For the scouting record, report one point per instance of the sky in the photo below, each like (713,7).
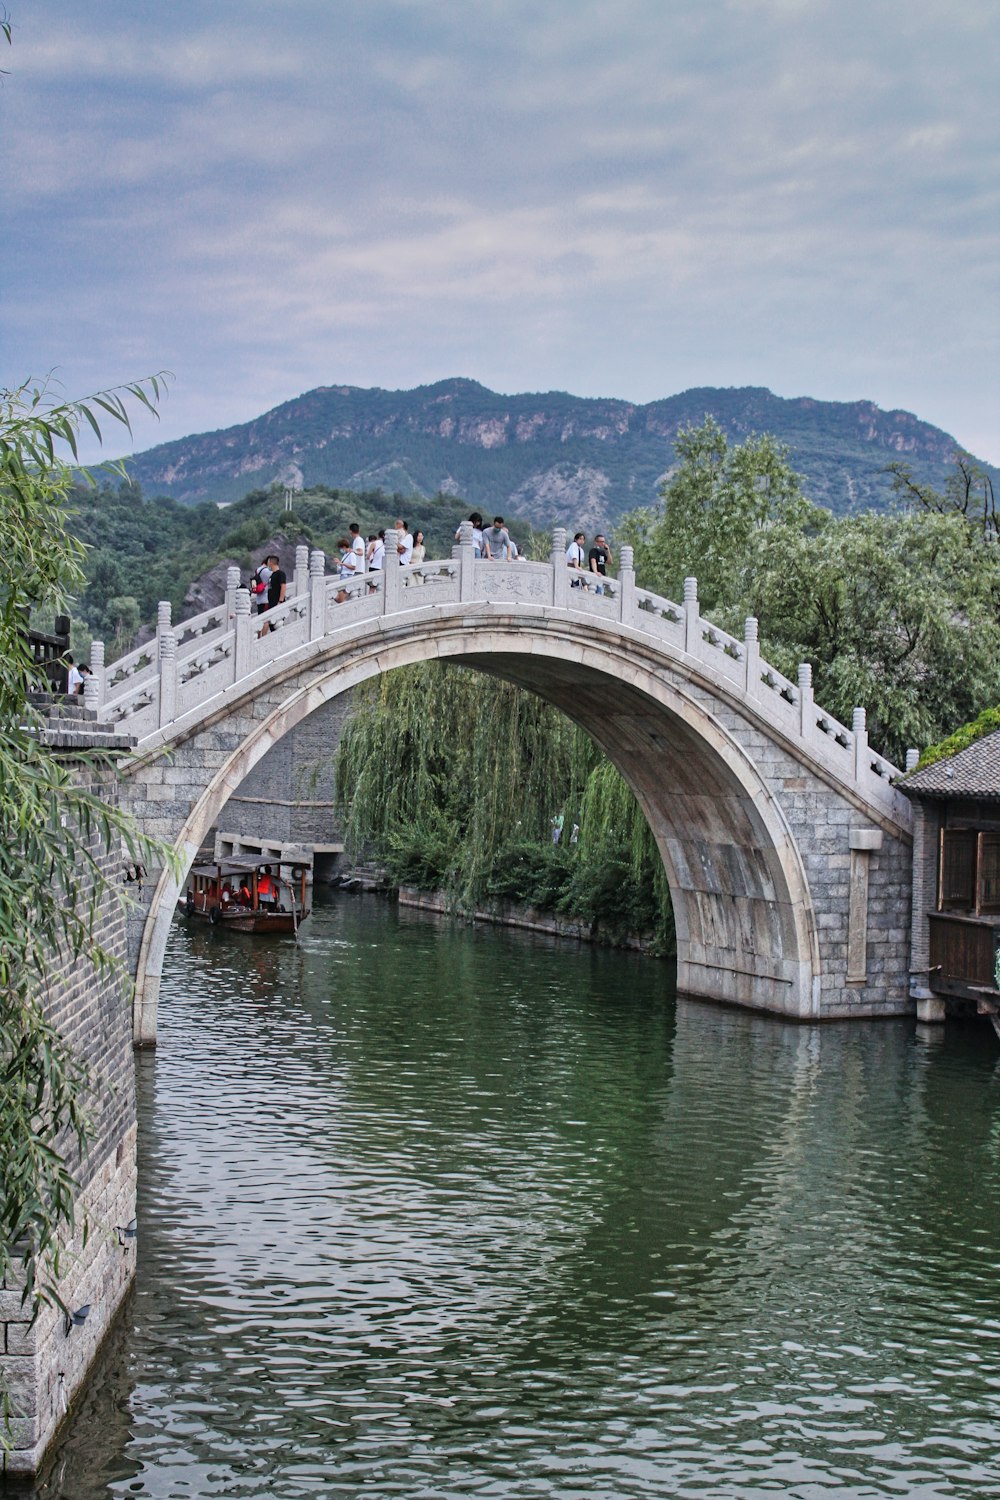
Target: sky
(608,197)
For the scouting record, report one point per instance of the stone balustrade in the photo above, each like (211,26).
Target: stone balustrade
(188,666)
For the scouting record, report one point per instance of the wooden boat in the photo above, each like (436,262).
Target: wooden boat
(234,894)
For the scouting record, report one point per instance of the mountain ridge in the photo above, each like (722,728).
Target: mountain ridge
(551,456)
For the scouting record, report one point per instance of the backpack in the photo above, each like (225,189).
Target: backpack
(259,585)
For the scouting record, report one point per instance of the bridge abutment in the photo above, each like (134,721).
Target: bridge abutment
(43,1364)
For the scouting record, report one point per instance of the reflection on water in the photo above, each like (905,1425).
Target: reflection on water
(431,1211)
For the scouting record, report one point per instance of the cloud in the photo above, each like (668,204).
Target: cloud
(629,199)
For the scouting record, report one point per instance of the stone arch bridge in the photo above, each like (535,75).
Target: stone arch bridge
(785,841)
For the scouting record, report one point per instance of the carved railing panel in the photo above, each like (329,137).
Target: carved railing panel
(500,582)
(131,669)
(287,629)
(201,628)
(205,673)
(659,617)
(363,601)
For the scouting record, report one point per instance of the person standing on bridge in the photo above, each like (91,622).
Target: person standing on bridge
(496,540)
(575,556)
(376,552)
(277,585)
(598,558)
(404,544)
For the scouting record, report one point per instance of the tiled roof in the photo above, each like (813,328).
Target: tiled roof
(973,772)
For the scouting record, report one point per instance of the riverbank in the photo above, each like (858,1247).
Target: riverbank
(528,918)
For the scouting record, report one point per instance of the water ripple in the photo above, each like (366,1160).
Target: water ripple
(428,1211)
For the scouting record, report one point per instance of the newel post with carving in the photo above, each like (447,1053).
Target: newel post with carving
(244,622)
(168,676)
(692,618)
(626,586)
(560,572)
(317,595)
(465,552)
(300,578)
(807,708)
(98,672)
(751,657)
(859,725)
(232,584)
(162,624)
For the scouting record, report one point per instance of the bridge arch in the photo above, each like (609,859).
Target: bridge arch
(746,926)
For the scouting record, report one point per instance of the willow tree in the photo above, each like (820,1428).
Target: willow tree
(453,779)
(51,885)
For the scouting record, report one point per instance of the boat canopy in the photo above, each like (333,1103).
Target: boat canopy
(244,864)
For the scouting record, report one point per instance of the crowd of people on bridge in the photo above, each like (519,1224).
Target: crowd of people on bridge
(358,556)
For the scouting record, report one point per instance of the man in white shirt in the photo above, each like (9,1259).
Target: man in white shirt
(74,681)
(357,546)
(404,543)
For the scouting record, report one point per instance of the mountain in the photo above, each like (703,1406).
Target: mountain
(553,458)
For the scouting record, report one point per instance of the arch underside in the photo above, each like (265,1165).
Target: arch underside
(741,905)
(744,919)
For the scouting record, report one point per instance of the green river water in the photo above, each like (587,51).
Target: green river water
(437,1211)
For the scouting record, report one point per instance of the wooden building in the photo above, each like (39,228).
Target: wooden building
(956,881)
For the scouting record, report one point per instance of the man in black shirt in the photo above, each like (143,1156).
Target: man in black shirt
(598,558)
(276,586)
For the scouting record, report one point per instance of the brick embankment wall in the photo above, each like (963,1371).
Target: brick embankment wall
(43,1365)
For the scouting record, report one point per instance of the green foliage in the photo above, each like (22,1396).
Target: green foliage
(897,612)
(986,723)
(51,884)
(618,882)
(452,779)
(529,874)
(716,507)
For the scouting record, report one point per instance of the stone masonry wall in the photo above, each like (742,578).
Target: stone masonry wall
(290,795)
(44,1365)
(822,821)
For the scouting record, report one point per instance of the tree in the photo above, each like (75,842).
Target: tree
(898,613)
(968,492)
(51,885)
(716,507)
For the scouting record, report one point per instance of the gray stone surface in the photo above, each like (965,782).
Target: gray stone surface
(43,1364)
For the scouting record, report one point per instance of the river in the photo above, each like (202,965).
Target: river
(429,1210)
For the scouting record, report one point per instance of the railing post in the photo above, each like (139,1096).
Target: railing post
(392,584)
(807,712)
(99,672)
(168,677)
(560,572)
(751,657)
(626,586)
(317,594)
(243,650)
(466,563)
(912,760)
(300,577)
(692,618)
(91,693)
(162,623)
(232,584)
(859,724)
